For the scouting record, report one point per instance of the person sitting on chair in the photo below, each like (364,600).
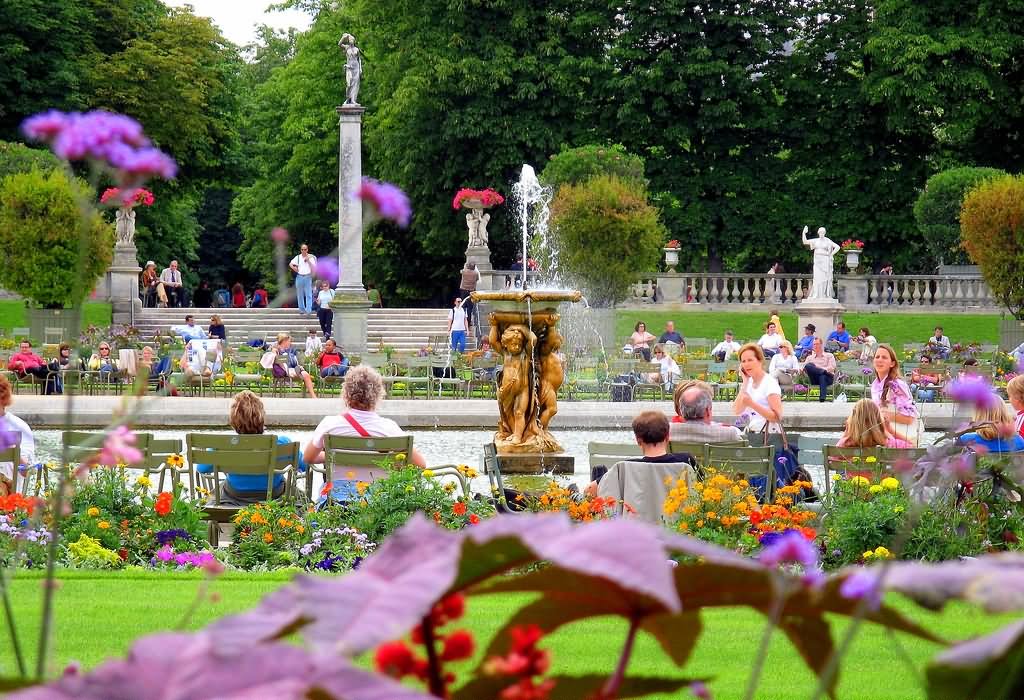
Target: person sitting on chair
(331,362)
(287,363)
(651,430)
(692,422)
(248,417)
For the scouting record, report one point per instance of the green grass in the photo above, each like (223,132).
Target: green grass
(12,314)
(896,329)
(99,613)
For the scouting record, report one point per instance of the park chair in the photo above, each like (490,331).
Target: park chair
(12,455)
(356,458)
(643,386)
(418,373)
(385,368)
(445,374)
(483,377)
(889,456)
(256,455)
(53,335)
(606,454)
(852,461)
(751,463)
(696,369)
(643,486)
(80,446)
(437,343)
(725,388)
(157,462)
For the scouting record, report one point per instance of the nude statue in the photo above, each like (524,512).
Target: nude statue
(552,374)
(824,250)
(125,226)
(516,343)
(353,68)
(477,222)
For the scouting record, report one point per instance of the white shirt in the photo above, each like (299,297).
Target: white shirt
(324,297)
(306,266)
(12,424)
(780,363)
(669,368)
(372,423)
(729,347)
(313,346)
(171,277)
(760,394)
(770,342)
(457,315)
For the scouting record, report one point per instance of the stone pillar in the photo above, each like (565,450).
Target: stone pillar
(481,255)
(823,313)
(853,290)
(350,304)
(122,284)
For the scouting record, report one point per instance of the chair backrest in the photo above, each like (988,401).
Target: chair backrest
(235,454)
(160,449)
(12,455)
(859,460)
(80,445)
(889,456)
(812,450)
(605,454)
(643,486)
(360,456)
(745,461)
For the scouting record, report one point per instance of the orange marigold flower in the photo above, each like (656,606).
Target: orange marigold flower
(459,508)
(268,537)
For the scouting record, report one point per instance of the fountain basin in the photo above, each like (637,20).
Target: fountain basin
(515,300)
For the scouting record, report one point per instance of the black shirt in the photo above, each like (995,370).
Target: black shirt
(670,457)
(217,331)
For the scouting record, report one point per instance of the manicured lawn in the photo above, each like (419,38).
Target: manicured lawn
(896,329)
(99,613)
(12,314)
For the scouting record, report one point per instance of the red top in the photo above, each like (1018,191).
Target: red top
(238,299)
(21,361)
(329,358)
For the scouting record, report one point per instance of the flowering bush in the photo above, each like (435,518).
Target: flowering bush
(557,498)
(486,197)
(334,549)
(852,245)
(88,553)
(23,538)
(127,198)
(674,243)
(267,535)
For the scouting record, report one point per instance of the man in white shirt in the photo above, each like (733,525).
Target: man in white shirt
(457,325)
(939,343)
(726,349)
(190,330)
(304,265)
(770,341)
(171,278)
(201,357)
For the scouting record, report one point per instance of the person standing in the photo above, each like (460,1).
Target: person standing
(171,279)
(324,313)
(303,266)
(457,325)
(467,285)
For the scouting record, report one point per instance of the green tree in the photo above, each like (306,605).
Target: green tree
(574,166)
(594,224)
(937,210)
(992,226)
(18,158)
(41,219)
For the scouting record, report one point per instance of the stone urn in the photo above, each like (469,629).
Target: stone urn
(853,259)
(671,258)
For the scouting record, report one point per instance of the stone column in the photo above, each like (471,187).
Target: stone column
(350,304)
(853,290)
(823,313)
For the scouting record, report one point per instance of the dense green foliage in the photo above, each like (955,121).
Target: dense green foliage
(992,226)
(18,158)
(593,224)
(574,166)
(937,210)
(57,257)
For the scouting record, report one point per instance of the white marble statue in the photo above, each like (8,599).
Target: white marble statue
(824,250)
(477,220)
(353,68)
(125,226)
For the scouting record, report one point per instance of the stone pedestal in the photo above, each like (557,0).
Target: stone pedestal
(121,286)
(350,210)
(350,323)
(852,290)
(536,463)
(670,288)
(823,313)
(481,255)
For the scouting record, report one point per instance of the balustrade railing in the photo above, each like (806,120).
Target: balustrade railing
(723,288)
(929,290)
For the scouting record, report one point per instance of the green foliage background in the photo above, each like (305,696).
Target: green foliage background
(992,223)
(937,210)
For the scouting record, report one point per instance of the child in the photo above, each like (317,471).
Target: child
(313,344)
(1015,390)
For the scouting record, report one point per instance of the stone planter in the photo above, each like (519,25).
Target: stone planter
(853,259)
(671,259)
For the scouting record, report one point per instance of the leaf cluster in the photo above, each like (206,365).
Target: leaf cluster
(992,226)
(937,210)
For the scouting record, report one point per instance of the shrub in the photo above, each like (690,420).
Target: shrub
(576,166)
(992,226)
(937,210)
(41,223)
(606,233)
(19,158)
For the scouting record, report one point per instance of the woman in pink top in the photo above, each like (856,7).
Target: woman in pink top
(641,340)
(865,428)
(892,396)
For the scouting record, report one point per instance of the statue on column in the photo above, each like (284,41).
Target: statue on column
(125,227)
(353,68)
(477,220)
(824,250)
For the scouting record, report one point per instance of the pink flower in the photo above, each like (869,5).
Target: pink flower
(862,585)
(974,391)
(279,235)
(119,447)
(209,564)
(791,547)
(165,553)
(388,200)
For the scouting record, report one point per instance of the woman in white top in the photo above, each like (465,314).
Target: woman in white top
(784,366)
(11,425)
(668,372)
(760,397)
(770,341)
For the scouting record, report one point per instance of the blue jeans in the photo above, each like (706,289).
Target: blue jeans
(304,293)
(820,377)
(459,341)
(335,370)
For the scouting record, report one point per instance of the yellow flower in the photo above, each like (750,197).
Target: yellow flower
(890,483)
(868,554)
(871,460)
(859,481)
(700,523)
(875,488)
(300,529)
(897,509)
(103,525)
(428,473)
(283,522)
(689,510)
(684,526)
(409,489)
(400,457)
(836,476)
(361,487)
(882,552)
(143,482)
(93,512)
(176,461)
(449,487)
(855,459)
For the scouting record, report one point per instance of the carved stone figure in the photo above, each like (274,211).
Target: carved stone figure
(477,220)
(125,227)
(515,397)
(824,250)
(353,68)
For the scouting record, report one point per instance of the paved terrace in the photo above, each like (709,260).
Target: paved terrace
(194,412)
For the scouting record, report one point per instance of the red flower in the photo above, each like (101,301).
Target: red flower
(525,659)
(474,518)
(163,503)
(458,645)
(437,517)
(526,689)
(459,508)
(395,659)
(452,607)
(123,553)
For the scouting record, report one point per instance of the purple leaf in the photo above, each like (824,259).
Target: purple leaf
(985,668)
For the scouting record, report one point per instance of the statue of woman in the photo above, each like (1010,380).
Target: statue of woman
(824,250)
(353,68)
(477,220)
(125,226)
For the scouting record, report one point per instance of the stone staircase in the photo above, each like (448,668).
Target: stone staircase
(402,329)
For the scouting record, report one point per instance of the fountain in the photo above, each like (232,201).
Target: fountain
(524,331)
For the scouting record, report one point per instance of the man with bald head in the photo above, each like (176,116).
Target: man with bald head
(692,422)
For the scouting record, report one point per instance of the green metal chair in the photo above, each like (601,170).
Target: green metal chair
(607,454)
(12,455)
(80,446)
(850,459)
(158,461)
(356,458)
(889,456)
(744,462)
(418,373)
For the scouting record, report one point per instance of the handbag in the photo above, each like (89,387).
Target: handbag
(268,360)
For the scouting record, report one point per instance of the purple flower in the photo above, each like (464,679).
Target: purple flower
(791,547)
(862,585)
(974,391)
(327,269)
(166,537)
(700,691)
(389,201)
(165,553)
(959,466)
